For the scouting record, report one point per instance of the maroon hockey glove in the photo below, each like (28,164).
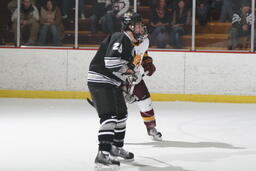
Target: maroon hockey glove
(147,64)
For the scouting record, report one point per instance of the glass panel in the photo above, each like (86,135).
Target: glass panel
(61,33)
(168,24)
(89,32)
(253,22)
(214,28)
(100,21)
(182,28)
(46,23)
(6,32)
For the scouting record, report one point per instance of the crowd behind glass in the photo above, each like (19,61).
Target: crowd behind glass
(219,24)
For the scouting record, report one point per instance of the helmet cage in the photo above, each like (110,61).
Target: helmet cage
(129,20)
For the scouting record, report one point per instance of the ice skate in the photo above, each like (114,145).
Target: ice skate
(157,136)
(122,153)
(104,162)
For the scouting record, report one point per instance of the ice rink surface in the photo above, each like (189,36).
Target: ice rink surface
(61,135)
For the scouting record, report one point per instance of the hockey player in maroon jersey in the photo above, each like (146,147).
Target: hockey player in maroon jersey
(144,101)
(140,90)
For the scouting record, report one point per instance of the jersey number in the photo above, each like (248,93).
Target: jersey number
(118,47)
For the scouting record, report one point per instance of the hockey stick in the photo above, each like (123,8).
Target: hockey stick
(90,102)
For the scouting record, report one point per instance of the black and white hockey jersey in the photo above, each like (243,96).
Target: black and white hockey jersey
(114,52)
(118,7)
(238,20)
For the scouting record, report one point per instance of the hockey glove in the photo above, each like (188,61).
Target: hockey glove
(147,64)
(132,78)
(130,98)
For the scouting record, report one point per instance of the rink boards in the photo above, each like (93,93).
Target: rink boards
(180,76)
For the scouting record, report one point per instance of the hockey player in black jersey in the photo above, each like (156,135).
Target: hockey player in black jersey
(113,67)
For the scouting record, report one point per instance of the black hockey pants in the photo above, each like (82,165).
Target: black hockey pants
(111,108)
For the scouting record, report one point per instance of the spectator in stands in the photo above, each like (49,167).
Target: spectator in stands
(99,10)
(115,10)
(241,27)
(29,18)
(68,4)
(12,5)
(51,22)
(40,3)
(181,18)
(159,22)
(202,11)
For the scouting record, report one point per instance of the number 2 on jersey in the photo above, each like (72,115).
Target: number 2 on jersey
(118,47)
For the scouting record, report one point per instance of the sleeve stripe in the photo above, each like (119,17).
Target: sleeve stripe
(113,62)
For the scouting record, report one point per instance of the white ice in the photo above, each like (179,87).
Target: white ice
(61,135)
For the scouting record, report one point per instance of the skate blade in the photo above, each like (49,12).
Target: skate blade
(156,138)
(102,167)
(122,159)
(126,160)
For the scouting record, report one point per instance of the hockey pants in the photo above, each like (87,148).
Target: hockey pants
(112,111)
